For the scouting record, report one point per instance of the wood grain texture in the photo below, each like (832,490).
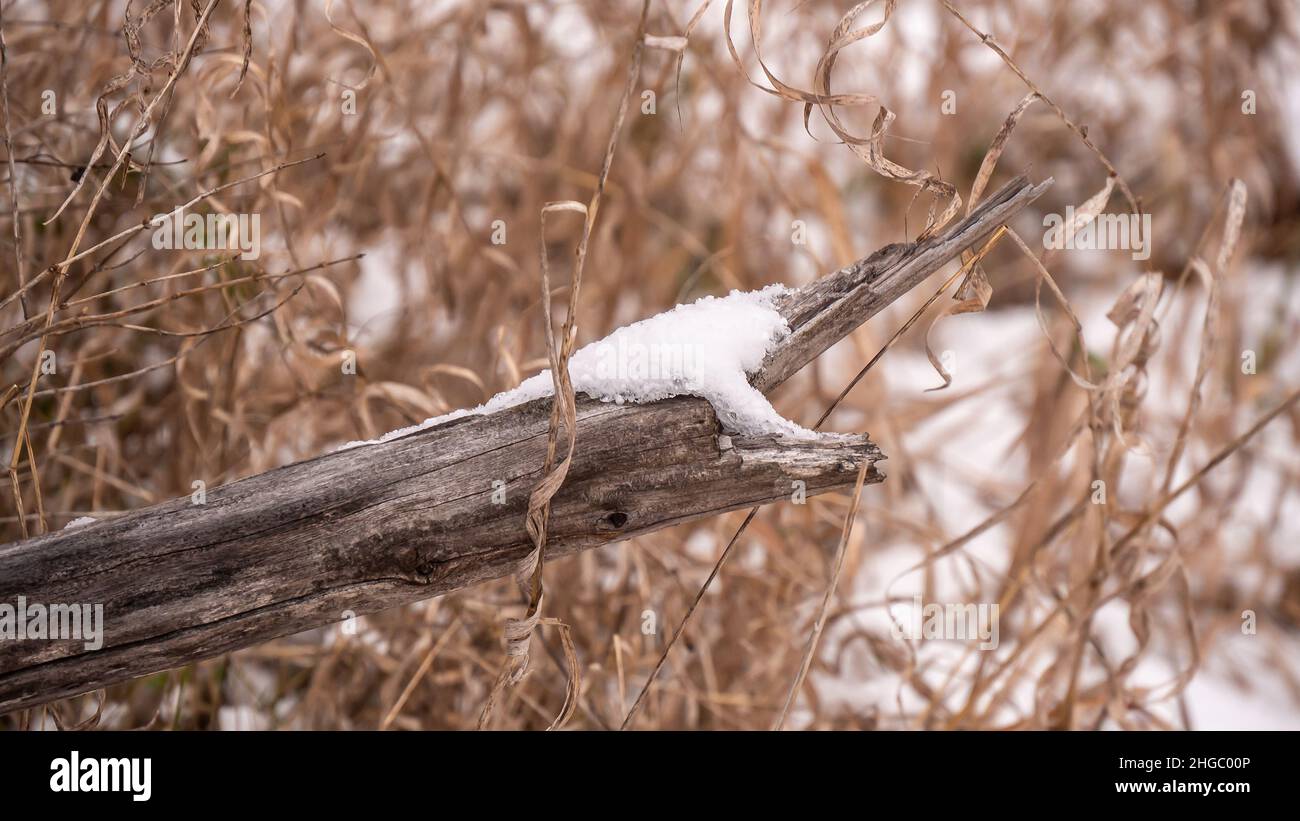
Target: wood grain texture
(824,312)
(388,524)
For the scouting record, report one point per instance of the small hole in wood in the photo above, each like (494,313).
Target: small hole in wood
(617,519)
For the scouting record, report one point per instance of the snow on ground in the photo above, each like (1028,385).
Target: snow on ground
(1237,685)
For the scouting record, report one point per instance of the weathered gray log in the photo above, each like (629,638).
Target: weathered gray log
(378,526)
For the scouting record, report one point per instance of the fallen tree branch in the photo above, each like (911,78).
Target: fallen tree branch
(387,524)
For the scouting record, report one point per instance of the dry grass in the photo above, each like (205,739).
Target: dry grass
(177,366)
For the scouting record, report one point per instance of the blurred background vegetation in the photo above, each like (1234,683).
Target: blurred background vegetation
(426,138)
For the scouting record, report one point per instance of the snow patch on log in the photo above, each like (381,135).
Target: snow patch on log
(707,348)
